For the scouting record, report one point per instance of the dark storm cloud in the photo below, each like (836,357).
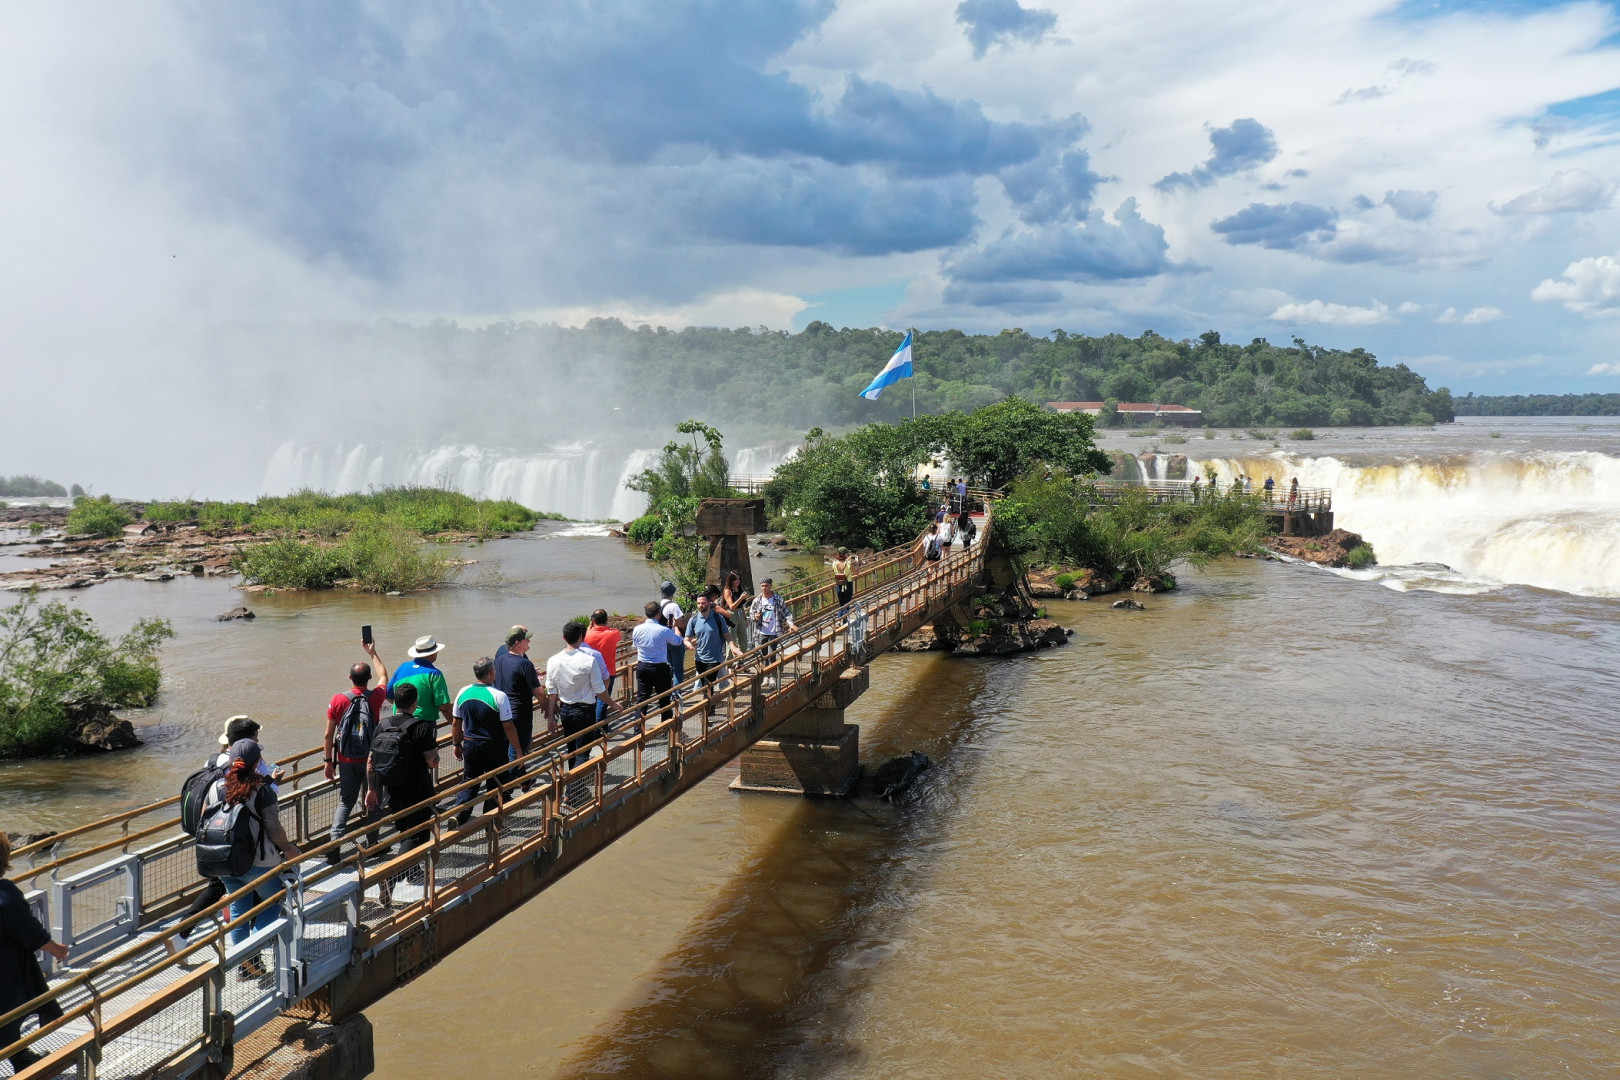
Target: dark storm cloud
(1093,250)
(1245,144)
(986,22)
(1279,226)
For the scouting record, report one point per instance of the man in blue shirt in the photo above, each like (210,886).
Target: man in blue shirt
(708,633)
(654,642)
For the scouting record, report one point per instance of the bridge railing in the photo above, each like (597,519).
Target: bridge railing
(140,1009)
(1185,491)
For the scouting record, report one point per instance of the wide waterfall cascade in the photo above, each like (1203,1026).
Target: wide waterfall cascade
(583,482)
(1544,518)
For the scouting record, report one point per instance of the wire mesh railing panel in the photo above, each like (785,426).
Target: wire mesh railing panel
(100,904)
(167,873)
(159,1040)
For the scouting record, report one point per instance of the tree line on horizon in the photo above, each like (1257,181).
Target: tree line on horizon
(1538,405)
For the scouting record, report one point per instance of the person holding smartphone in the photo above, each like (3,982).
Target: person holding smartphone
(351,720)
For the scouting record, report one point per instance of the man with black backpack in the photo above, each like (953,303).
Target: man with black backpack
(404,753)
(351,721)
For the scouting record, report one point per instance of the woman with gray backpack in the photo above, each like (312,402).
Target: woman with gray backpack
(240,839)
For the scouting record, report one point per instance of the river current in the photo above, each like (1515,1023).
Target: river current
(1285,822)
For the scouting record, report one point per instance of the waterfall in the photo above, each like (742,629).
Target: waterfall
(1540,518)
(582,481)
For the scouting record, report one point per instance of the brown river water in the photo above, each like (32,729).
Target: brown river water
(1284,823)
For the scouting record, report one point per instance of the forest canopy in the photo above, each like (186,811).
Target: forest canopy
(1539,405)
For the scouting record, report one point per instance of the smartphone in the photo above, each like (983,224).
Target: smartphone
(365,634)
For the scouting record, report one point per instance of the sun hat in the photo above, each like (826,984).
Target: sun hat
(667,588)
(240,726)
(427,645)
(516,634)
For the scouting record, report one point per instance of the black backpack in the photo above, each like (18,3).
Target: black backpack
(230,837)
(388,754)
(195,791)
(355,730)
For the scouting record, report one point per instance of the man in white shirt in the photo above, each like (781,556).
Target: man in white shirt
(675,619)
(654,643)
(574,684)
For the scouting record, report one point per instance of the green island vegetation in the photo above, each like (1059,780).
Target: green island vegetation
(57,667)
(686,473)
(1538,405)
(376,542)
(1360,557)
(97,515)
(30,487)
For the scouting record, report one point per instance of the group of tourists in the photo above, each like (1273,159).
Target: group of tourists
(948,529)
(1242,485)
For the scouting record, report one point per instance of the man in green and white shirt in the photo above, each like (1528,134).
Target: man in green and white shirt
(481,730)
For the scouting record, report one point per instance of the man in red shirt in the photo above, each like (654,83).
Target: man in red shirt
(605,640)
(351,718)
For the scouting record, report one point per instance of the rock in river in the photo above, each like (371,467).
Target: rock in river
(237,613)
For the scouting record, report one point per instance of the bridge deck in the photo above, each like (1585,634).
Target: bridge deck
(349,934)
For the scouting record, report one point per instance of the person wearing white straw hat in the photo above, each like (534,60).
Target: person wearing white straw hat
(422,672)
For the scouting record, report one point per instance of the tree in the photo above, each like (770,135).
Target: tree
(999,443)
(687,469)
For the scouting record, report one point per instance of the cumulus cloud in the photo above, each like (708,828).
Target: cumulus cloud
(1570,191)
(1243,145)
(1472,317)
(1588,286)
(1411,205)
(1278,226)
(988,22)
(1604,369)
(1095,249)
(1325,314)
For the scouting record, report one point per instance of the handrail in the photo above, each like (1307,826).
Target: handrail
(796,664)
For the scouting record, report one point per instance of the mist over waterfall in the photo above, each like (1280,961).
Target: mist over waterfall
(1544,518)
(581,481)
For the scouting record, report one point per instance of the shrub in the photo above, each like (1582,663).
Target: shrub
(289,563)
(645,529)
(1496,434)
(1303,434)
(387,558)
(53,662)
(1260,435)
(1065,581)
(97,516)
(170,512)
(1175,440)
(1209,433)
(1361,556)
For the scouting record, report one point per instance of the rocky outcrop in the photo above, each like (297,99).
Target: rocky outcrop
(237,613)
(924,640)
(1331,550)
(94,727)
(1042,583)
(1014,636)
(1128,604)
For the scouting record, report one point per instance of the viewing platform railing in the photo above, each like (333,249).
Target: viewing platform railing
(1173,491)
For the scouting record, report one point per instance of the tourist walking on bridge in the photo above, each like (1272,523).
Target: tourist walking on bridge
(733,604)
(482,733)
(1271,487)
(675,619)
(21,980)
(404,754)
(842,564)
(1293,492)
(966,529)
(246,787)
(771,618)
(961,494)
(605,640)
(653,641)
(708,634)
(574,687)
(931,550)
(421,670)
(516,677)
(351,720)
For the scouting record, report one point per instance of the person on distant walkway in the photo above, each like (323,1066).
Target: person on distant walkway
(708,634)
(961,494)
(1293,492)
(734,600)
(930,544)
(675,619)
(516,677)
(244,783)
(1197,487)
(927,487)
(482,734)
(21,979)
(842,564)
(605,640)
(966,529)
(574,687)
(1271,488)
(947,535)
(421,670)
(351,720)
(770,618)
(404,753)
(653,640)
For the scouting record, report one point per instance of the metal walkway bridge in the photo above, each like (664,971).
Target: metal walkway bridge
(349,934)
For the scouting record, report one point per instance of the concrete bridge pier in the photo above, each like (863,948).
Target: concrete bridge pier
(813,753)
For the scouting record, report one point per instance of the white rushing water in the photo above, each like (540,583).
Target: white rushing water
(1457,521)
(581,481)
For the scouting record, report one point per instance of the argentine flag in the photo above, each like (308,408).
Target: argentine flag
(898,367)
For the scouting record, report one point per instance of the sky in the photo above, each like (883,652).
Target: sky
(1435,181)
